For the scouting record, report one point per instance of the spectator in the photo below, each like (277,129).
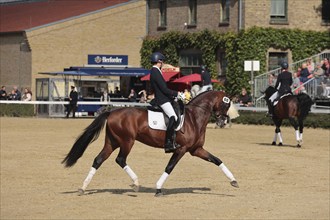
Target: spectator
(105,97)
(304,74)
(271,79)
(73,98)
(318,73)
(296,83)
(27,95)
(12,95)
(3,93)
(132,96)
(310,65)
(245,99)
(187,96)
(117,91)
(18,95)
(326,67)
(143,96)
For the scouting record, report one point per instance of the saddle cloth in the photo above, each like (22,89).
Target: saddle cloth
(156,121)
(287,94)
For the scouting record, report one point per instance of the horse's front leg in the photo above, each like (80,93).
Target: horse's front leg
(205,155)
(177,155)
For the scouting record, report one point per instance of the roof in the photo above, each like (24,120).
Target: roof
(99,71)
(21,16)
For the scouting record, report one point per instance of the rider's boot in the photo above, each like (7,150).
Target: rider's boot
(170,144)
(270,109)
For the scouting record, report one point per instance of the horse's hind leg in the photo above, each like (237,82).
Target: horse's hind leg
(121,161)
(294,123)
(205,155)
(101,157)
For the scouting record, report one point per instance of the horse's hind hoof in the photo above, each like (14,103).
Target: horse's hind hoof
(135,187)
(274,143)
(81,192)
(234,183)
(280,144)
(298,146)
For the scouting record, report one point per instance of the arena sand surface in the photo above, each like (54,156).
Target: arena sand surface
(275,182)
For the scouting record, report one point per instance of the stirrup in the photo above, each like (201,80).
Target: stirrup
(172,148)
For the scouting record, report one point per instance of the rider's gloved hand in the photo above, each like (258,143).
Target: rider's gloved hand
(181,96)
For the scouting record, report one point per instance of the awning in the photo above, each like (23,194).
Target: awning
(195,77)
(99,71)
(167,76)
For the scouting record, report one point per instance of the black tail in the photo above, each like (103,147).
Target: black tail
(305,104)
(90,134)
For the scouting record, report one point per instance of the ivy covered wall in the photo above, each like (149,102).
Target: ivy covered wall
(251,44)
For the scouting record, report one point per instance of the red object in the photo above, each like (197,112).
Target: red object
(195,77)
(167,76)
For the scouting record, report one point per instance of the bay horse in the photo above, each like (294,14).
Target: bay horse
(125,125)
(292,107)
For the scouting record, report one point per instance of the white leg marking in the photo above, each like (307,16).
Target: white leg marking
(88,178)
(161,180)
(132,175)
(227,172)
(280,137)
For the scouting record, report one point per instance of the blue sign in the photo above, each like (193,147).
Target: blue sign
(108,60)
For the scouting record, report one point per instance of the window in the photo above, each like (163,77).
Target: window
(278,11)
(190,61)
(325,11)
(221,63)
(192,12)
(224,11)
(275,59)
(162,13)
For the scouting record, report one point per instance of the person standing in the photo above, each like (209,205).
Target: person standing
(283,85)
(73,99)
(163,97)
(206,80)
(3,93)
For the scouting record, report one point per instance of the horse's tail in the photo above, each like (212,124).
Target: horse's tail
(90,134)
(305,104)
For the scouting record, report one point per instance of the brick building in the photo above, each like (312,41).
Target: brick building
(234,15)
(48,36)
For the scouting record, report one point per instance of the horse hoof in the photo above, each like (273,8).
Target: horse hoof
(298,145)
(135,187)
(234,183)
(81,192)
(274,143)
(280,144)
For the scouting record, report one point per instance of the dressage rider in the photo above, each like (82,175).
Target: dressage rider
(163,97)
(283,86)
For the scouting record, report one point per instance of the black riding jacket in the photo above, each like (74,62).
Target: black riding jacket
(158,84)
(285,78)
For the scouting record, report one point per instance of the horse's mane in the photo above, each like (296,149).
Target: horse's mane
(197,99)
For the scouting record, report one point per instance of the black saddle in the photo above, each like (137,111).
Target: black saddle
(178,106)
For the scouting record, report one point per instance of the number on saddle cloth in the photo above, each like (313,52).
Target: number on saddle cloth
(157,119)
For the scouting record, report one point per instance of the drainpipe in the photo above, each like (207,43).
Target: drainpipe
(240,6)
(147,17)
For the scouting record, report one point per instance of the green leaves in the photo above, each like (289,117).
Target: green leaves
(250,44)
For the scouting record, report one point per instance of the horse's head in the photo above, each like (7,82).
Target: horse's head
(269,92)
(221,108)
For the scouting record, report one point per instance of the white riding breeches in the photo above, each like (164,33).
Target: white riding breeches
(169,111)
(273,97)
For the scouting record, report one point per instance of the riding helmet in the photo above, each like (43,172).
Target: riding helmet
(156,56)
(285,65)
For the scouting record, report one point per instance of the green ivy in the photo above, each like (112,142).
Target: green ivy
(250,44)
